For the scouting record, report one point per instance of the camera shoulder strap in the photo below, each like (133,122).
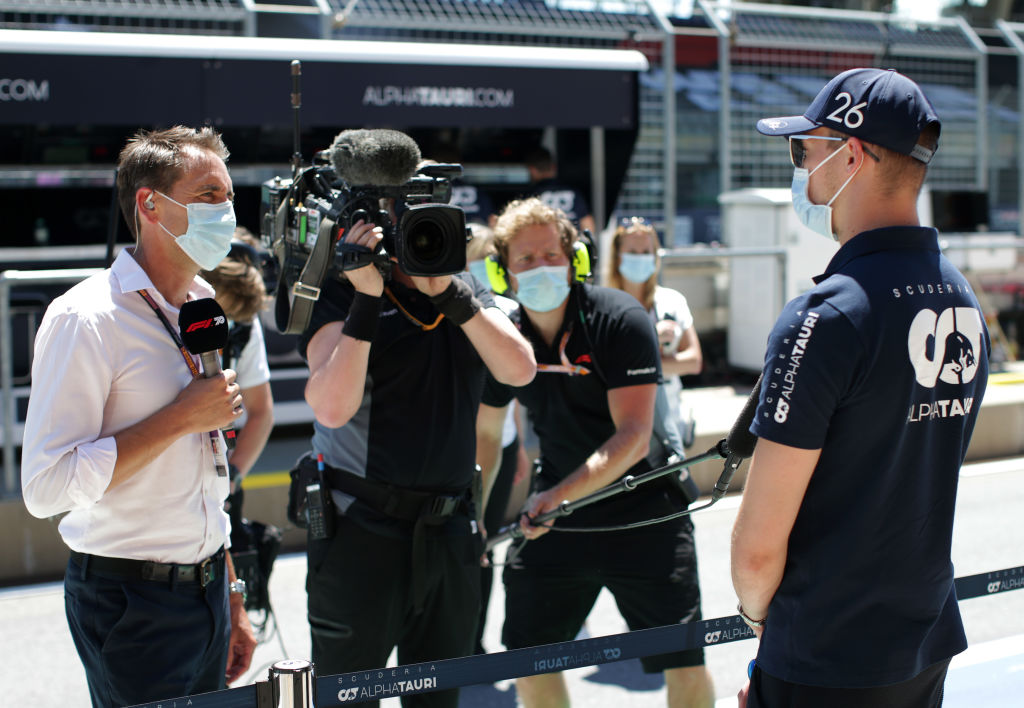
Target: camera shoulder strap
(304,292)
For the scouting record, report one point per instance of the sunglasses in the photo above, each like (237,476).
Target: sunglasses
(634,222)
(798,151)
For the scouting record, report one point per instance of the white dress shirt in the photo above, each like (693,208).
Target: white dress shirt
(103,362)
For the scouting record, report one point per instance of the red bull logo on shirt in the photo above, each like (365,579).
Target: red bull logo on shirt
(942,346)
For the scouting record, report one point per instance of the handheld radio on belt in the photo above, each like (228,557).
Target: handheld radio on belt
(319,507)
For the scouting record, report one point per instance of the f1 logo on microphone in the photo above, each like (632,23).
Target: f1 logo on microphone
(206,324)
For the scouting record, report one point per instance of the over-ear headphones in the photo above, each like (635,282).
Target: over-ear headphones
(497,273)
(149,202)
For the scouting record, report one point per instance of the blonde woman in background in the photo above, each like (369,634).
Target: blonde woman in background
(633,266)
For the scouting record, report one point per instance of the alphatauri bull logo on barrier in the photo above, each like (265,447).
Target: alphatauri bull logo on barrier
(944,347)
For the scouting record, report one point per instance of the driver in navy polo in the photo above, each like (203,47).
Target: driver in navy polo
(871,389)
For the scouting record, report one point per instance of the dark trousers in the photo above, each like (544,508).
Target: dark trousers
(361,606)
(494,518)
(142,641)
(922,691)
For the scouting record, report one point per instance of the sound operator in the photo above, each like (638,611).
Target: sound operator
(396,371)
(118,435)
(871,389)
(592,406)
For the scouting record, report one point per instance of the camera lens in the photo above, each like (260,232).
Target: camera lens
(431,240)
(426,242)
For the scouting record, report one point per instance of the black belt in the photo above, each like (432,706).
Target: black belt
(422,508)
(397,502)
(204,572)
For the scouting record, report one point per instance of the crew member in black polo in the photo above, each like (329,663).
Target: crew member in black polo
(396,371)
(592,407)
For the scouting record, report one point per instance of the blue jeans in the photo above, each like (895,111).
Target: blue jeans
(143,641)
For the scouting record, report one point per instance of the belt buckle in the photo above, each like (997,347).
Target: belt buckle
(443,506)
(206,572)
(304,290)
(148,571)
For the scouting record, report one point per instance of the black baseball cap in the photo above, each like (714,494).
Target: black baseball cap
(879,106)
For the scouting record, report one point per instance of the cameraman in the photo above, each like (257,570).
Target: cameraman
(592,406)
(396,373)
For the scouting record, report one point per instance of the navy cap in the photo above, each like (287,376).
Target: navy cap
(879,106)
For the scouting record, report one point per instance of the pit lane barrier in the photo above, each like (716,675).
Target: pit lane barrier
(293,683)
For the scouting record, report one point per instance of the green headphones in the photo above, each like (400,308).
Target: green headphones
(498,275)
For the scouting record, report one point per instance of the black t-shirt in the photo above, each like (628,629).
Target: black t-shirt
(611,336)
(415,427)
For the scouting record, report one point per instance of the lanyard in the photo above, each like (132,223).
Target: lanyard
(189,361)
(566,367)
(219,458)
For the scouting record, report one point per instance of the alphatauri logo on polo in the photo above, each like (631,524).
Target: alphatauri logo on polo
(945,346)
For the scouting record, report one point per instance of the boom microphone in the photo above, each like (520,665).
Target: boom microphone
(204,330)
(739,444)
(383,158)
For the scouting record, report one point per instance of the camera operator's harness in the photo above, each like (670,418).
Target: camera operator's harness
(294,306)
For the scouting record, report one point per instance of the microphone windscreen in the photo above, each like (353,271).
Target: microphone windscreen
(380,158)
(203,325)
(740,440)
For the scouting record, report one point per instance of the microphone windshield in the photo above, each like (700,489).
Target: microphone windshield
(204,326)
(740,440)
(381,158)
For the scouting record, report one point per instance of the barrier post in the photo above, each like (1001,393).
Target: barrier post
(292,680)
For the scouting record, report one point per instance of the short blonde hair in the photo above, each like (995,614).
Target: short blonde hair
(519,214)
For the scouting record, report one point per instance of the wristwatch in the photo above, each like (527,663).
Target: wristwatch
(239,587)
(750,622)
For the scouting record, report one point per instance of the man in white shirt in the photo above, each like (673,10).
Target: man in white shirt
(118,435)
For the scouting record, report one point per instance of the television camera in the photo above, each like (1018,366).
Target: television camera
(304,218)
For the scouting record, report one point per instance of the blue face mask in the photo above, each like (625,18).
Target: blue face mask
(816,217)
(479,270)
(210,229)
(637,267)
(544,288)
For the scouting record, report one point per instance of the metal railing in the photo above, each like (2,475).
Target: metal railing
(290,681)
